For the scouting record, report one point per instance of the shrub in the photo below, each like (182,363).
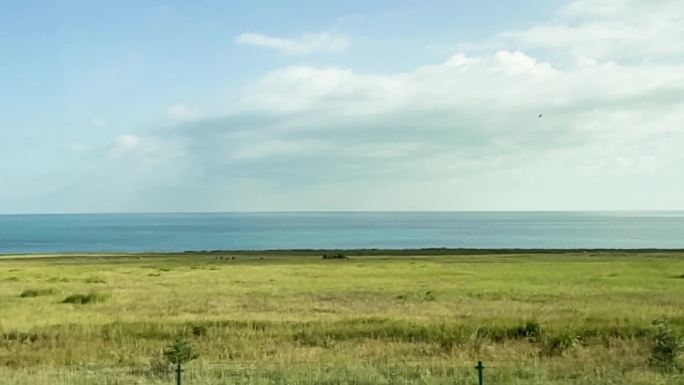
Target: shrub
(334,256)
(557,345)
(199,330)
(429,296)
(531,329)
(83,299)
(30,293)
(180,352)
(667,347)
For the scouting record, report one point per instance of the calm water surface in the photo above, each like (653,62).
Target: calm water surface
(179,232)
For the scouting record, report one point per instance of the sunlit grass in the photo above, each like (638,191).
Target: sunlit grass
(362,312)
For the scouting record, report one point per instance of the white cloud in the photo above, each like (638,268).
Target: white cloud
(609,29)
(503,80)
(468,124)
(460,134)
(305,44)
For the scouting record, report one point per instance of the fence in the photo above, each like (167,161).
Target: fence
(202,373)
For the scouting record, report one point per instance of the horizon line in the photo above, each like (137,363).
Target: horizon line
(347,212)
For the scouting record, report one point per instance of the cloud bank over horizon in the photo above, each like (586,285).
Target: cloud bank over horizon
(464,133)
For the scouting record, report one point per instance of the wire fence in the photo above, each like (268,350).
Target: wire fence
(202,373)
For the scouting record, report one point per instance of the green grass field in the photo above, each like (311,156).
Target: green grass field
(571,318)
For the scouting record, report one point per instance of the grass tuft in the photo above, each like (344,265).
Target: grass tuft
(30,293)
(84,299)
(95,280)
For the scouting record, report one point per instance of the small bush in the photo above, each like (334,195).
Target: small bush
(429,296)
(668,345)
(557,345)
(30,293)
(83,299)
(531,329)
(180,352)
(334,256)
(199,330)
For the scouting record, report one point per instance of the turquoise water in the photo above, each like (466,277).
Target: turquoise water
(258,231)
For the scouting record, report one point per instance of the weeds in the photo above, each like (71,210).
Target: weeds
(57,279)
(30,293)
(20,337)
(531,330)
(558,344)
(84,299)
(667,347)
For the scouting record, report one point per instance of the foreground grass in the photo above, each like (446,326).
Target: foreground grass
(580,318)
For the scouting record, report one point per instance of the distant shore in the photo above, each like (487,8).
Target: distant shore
(436,251)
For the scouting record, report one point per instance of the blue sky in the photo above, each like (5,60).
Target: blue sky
(300,105)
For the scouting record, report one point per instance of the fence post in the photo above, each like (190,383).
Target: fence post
(178,374)
(480,372)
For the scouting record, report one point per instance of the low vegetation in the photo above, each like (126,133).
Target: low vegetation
(30,293)
(667,347)
(84,299)
(559,319)
(334,256)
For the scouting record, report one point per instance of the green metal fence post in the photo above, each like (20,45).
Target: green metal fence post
(480,372)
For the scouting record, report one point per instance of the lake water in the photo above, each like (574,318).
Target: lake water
(259,231)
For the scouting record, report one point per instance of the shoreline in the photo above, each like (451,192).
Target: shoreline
(362,252)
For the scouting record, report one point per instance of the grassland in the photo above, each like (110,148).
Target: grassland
(564,318)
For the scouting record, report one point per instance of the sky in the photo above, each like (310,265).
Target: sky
(175,106)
